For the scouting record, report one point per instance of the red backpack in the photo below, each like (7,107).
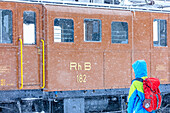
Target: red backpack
(152,93)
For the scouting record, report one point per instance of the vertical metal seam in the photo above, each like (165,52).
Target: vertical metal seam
(132,59)
(104,68)
(151,41)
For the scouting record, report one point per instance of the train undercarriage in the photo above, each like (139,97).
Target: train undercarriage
(83,101)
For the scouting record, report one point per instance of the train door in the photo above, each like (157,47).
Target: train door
(29,42)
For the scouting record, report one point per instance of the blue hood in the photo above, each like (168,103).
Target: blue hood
(140,68)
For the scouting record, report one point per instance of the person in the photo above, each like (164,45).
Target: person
(136,92)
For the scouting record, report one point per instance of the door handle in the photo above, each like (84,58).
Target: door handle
(43,57)
(21,57)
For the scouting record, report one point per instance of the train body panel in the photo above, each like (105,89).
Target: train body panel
(86,58)
(76,72)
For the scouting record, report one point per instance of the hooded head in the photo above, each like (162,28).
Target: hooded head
(140,68)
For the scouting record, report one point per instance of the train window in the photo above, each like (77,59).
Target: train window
(5,26)
(29,27)
(159,32)
(63,30)
(119,32)
(92,30)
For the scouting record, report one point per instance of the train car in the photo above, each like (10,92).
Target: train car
(72,57)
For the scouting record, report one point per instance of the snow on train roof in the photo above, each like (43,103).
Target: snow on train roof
(133,5)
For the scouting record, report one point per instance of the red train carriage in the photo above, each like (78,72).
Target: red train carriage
(51,51)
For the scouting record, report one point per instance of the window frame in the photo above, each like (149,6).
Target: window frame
(11,27)
(73,38)
(125,31)
(159,33)
(100,29)
(35,29)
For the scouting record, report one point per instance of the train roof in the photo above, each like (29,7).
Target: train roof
(161,6)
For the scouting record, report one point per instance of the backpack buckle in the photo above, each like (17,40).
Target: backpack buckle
(147,103)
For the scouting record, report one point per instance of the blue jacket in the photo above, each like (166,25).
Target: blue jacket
(136,93)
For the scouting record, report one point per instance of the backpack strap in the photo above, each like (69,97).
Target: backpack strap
(138,79)
(157,101)
(138,99)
